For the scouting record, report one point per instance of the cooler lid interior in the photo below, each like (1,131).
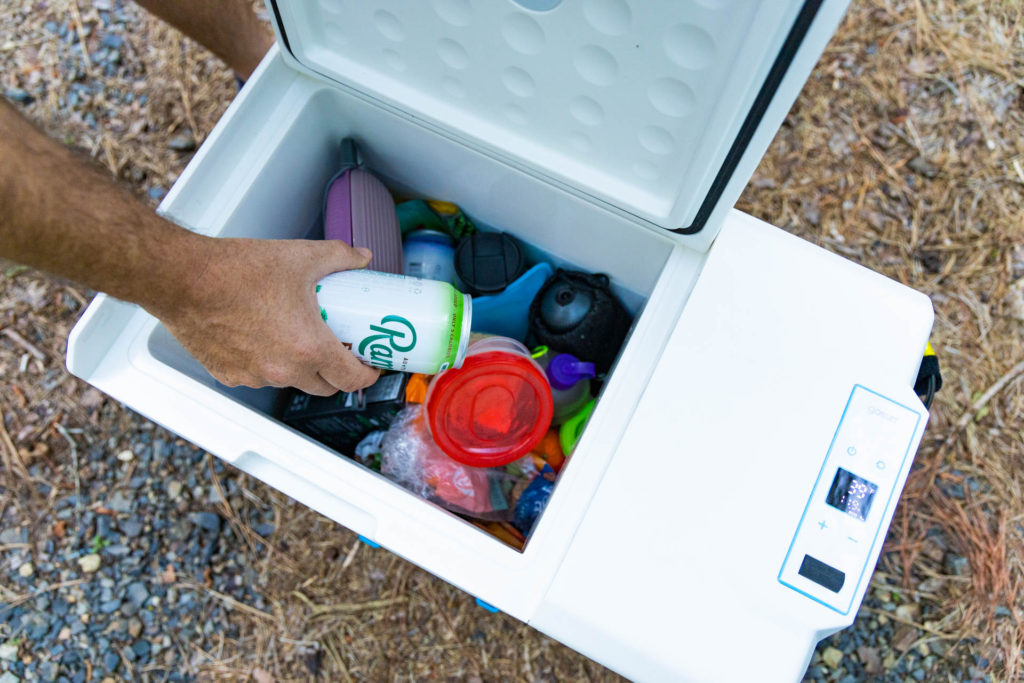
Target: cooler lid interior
(642,104)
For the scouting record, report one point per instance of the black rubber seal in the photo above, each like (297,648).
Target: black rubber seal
(280,25)
(764,98)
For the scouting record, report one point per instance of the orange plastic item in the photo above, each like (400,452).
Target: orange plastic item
(416,388)
(550,451)
(503,532)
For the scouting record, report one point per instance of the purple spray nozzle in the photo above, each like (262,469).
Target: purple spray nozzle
(565,370)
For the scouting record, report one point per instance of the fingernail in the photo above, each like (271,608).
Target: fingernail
(367,254)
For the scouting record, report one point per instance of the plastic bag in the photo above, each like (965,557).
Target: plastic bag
(410,458)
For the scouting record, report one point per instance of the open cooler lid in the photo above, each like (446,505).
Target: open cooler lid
(654,107)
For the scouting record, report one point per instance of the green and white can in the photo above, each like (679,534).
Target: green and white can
(394,322)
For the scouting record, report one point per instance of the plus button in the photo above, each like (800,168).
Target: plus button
(823,525)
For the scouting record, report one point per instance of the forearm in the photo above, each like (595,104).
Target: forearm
(246,309)
(63,215)
(228,28)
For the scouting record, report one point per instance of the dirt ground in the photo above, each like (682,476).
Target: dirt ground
(904,152)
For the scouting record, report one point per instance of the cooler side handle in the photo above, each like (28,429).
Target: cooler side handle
(95,333)
(293,486)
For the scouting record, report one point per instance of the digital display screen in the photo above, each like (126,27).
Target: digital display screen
(851,494)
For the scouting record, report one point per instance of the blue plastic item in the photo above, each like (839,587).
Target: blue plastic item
(533,500)
(507,314)
(368,542)
(487,606)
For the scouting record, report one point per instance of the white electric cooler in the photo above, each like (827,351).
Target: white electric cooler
(737,478)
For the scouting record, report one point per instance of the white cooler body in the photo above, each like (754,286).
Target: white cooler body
(759,370)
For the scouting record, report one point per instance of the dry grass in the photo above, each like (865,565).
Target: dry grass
(904,153)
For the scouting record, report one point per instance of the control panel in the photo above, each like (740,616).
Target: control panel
(842,522)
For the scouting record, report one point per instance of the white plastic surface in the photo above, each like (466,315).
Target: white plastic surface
(633,102)
(678,557)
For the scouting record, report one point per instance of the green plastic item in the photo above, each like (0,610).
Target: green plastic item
(570,431)
(429,214)
(416,215)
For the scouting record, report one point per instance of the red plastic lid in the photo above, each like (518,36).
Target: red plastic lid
(491,411)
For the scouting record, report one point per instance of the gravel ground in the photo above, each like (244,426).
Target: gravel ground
(118,578)
(126,553)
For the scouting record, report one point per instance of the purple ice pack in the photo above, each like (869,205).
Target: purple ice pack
(359,210)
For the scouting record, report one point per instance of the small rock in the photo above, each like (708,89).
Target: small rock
(832,657)
(64,634)
(26,570)
(18,95)
(89,563)
(182,143)
(9,651)
(174,488)
(13,535)
(922,166)
(113,41)
(104,527)
(47,671)
(110,606)
(908,612)
(134,628)
(904,637)
(264,529)
(869,658)
(137,593)
(1015,299)
(206,520)
(131,527)
(958,565)
(9,678)
(141,648)
(126,455)
(110,661)
(214,496)
(103,5)
(262,676)
(119,502)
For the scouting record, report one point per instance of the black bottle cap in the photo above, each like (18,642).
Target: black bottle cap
(564,306)
(488,262)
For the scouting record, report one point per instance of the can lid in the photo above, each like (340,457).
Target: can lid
(491,411)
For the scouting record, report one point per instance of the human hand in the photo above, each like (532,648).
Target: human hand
(251,316)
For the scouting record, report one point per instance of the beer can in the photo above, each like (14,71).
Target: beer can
(395,322)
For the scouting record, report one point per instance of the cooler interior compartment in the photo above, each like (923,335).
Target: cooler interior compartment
(262,174)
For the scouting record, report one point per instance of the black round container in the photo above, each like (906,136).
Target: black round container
(488,262)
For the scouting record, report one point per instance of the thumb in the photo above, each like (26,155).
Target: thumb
(335,256)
